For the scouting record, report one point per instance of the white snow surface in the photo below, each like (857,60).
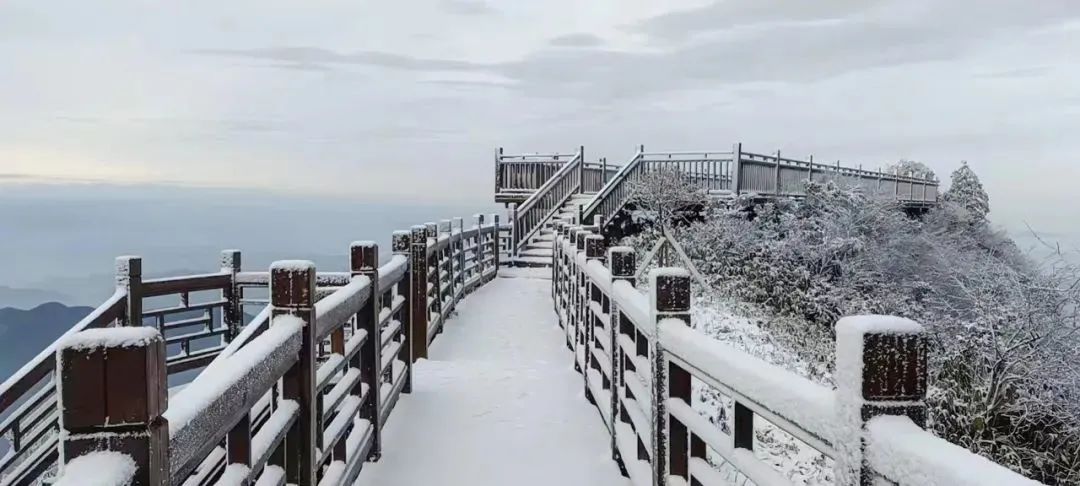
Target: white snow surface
(111,337)
(876,324)
(100,468)
(911,456)
(497,403)
(292,265)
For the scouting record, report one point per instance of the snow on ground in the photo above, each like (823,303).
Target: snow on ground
(497,403)
(738,325)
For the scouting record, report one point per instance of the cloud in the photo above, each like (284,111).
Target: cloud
(320,58)
(468,7)
(577,40)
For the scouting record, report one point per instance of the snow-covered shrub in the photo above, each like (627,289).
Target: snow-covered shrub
(1004,377)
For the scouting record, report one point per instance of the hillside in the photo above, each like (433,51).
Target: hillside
(24,333)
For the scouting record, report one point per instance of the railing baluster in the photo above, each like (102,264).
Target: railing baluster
(364,262)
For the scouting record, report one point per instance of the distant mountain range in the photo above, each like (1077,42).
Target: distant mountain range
(23,298)
(24,333)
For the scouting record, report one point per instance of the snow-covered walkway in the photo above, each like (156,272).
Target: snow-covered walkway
(498,403)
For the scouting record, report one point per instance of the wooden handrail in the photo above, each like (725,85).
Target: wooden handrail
(528,218)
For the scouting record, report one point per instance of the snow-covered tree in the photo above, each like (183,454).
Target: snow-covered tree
(967,191)
(911,168)
(1004,378)
(664,197)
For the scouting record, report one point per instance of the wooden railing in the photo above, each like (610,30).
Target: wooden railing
(531,215)
(517,176)
(596,174)
(204,316)
(640,356)
(738,172)
(299,394)
(781,176)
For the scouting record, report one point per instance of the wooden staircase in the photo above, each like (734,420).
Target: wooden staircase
(538,250)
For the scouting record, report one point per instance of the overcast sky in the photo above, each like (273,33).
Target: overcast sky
(405,101)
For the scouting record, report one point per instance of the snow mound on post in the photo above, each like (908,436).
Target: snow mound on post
(905,453)
(670,272)
(881,324)
(111,337)
(362,244)
(292,265)
(99,468)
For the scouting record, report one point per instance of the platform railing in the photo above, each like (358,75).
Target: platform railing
(299,394)
(640,356)
(517,176)
(737,172)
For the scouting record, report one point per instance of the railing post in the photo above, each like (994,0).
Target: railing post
(496,240)
(622,261)
(238,441)
(810,171)
(445,226)
(479,265)
(432,231)
(580,306)
(498,171)
(232,315)
(777,175)
(594,250)
(736,167)
(292,292)
(581,169)
(461,253)
(364,262)
(113,390)
(670,299)
(401,246)
(129,278)
(880,370)
(513,230)
(418,294)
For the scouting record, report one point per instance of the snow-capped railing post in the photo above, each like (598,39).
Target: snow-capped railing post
(581,169)
(432,232)
(514,230)
(112,389)
(736,167)
(594,251)
(480,265)
(232,313)
(880,370)
(622,262)
(580,306)
(670,298)
(292,292)
(496,240)
(418,294)
(448,254)
(364,262)
(460,252)
(400,244)
(129,278)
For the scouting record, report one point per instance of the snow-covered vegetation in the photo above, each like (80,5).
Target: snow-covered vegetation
(1003,325)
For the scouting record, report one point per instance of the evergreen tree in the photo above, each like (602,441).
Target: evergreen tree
(911,168)
(967,191)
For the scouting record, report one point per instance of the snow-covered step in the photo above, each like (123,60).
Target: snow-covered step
(538,252)
(531,261)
